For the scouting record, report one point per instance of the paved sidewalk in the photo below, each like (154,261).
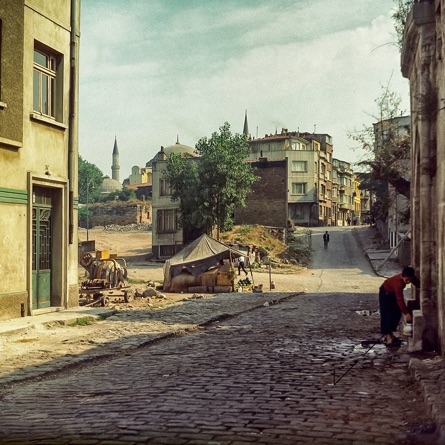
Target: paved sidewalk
(429,371)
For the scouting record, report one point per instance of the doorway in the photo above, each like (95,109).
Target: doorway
(42,247)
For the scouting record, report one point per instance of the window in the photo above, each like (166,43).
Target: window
(167,221)
(298,188)
(164,187)
(44,83)
(299,166)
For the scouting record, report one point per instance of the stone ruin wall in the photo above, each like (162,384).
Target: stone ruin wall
(121,215)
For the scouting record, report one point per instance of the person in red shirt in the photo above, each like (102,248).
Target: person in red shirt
(392,304)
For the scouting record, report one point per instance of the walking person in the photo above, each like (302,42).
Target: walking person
(326,239)
(392,304)
(241,265)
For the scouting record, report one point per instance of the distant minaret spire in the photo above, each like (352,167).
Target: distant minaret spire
(246,126)
(115,167)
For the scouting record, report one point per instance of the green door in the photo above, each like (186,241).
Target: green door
(41,248)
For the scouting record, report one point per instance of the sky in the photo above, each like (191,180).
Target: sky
(154,71)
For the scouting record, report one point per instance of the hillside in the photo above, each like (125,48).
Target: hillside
(296,254)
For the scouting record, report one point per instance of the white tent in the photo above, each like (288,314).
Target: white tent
(198,257)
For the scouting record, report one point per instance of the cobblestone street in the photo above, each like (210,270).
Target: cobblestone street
(289,369)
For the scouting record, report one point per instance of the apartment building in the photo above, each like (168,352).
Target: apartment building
(325,208)
(344,184)
(39,45)
(303,177)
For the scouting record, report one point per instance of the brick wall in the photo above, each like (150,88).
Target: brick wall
(267,204)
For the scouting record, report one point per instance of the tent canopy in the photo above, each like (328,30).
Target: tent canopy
(197,257)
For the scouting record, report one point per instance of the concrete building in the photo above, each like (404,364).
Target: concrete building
(303,176)
(140,175)
(168,236)
(39,48)
(423,64)
(344,180)
(325,208)
(267,204)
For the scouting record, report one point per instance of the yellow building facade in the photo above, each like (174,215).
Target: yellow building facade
(38,156)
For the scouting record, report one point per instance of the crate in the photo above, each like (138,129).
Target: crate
(102,255)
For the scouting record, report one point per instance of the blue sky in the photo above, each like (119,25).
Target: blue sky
(152,70)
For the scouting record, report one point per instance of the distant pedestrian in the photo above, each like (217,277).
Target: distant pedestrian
(241,265)
(326,239)
(392,304)
(348,221)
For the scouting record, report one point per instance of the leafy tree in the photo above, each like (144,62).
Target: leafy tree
(211,187)
(90,179)
(183,175)
(403,7)
(387,144)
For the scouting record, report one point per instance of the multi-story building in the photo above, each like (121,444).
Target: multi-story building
(344,177)
(306,188)
(325,176)
(357,211)
(39,46)
(168,236)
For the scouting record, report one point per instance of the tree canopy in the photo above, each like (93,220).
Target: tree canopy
(387,143)
(90,178)
(212,186)
(403,7)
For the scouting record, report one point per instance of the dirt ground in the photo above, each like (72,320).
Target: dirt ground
(135,247)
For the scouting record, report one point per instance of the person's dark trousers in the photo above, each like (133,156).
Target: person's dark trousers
(241,266)
(390,312)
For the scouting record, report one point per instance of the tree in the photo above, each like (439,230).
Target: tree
(89,180)
(403,7)
(211,187)
(183,175)
(387,143)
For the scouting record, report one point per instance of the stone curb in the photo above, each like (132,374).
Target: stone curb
(431,378)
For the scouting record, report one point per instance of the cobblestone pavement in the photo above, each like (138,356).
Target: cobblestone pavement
(288,373)
(289,369)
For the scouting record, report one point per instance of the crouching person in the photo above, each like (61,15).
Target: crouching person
(392,304)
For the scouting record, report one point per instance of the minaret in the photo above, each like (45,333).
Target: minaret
(246,126)
(115,167)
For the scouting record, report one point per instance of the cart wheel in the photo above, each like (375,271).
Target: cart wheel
(86,259)
(128,296)
(105,301)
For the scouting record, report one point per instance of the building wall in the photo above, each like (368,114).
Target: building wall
(37,153)
(302,207)
(11,77)
(164,243)
(422,63)
(267,204)
(120,214)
